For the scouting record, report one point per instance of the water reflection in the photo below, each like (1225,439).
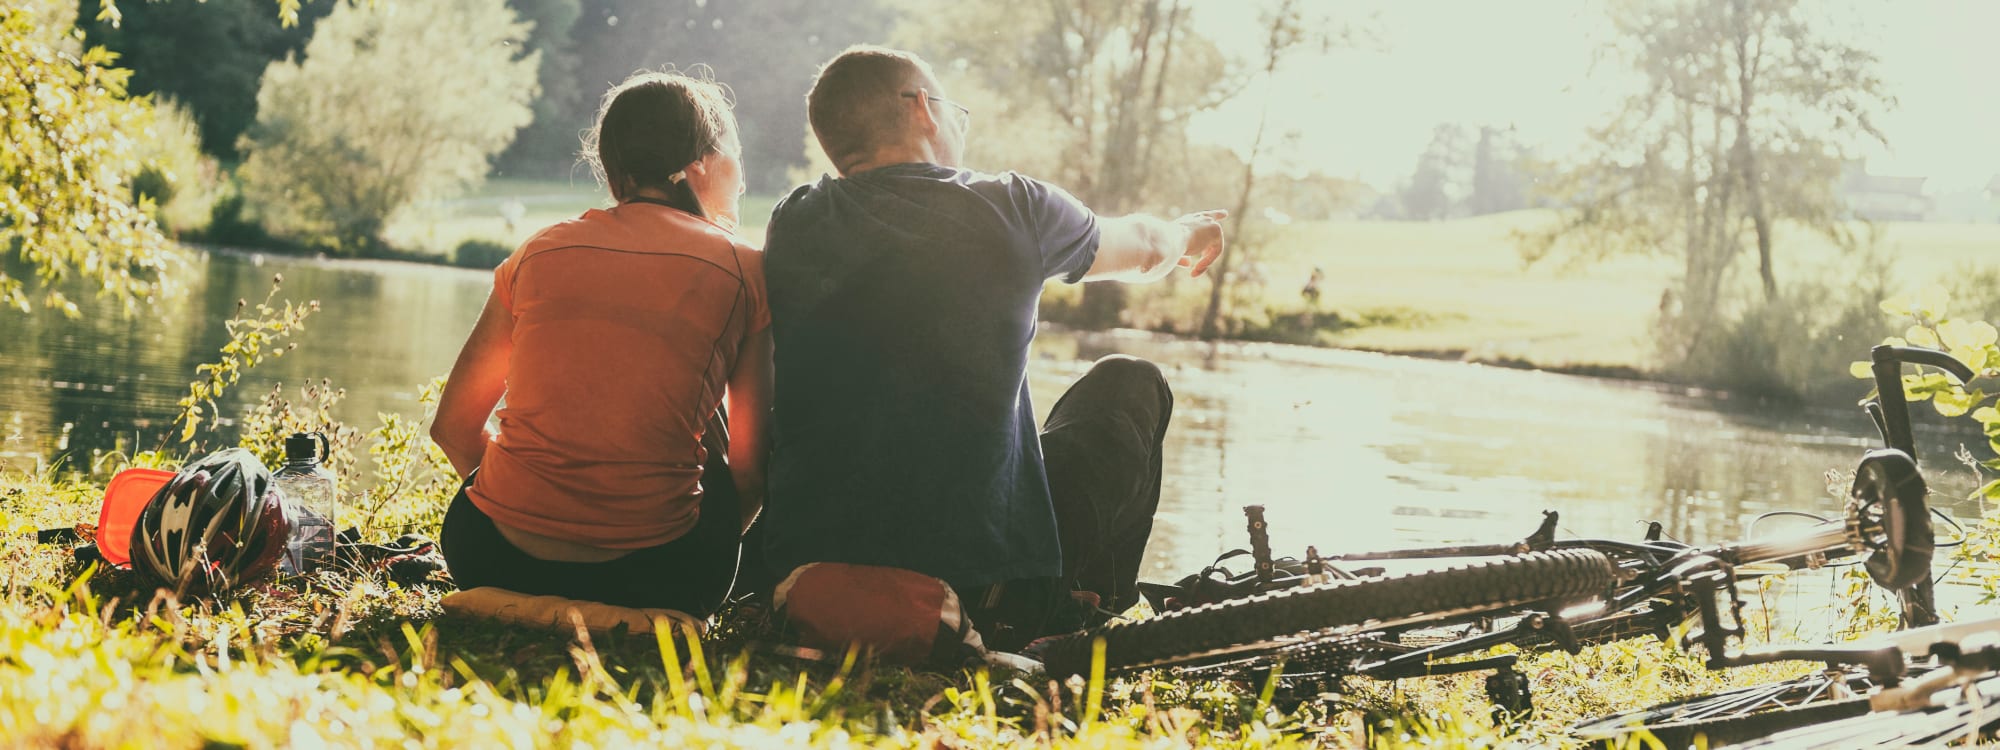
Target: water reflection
(1350,450)
(111,380)
(1346,450)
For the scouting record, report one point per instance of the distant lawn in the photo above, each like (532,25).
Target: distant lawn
(1433,287)
(1460,286)
(440,227)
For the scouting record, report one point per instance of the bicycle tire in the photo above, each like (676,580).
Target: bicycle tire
(1954,715)
(1940,727)
(1233,627)
(1731,716)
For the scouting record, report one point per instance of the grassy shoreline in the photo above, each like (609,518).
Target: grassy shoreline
(356,661)
(1454,289)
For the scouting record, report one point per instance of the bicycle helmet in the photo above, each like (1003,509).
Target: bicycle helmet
(218,524)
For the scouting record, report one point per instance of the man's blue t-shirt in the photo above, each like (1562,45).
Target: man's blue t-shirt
(903,300)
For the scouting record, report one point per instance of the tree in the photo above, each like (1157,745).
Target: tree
(67,156)
(548,145)
(1746,114)
(182,182)
(1288,29)
(1091,94)
(765,51)
(390,106)
(237,39)
(1497,173)
(1437,182)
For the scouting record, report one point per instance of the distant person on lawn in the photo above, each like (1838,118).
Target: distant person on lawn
(613,337)
(904,298)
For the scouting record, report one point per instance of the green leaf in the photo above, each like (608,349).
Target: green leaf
(1955,402)
(1968,333)
(1973,357)
(1861,370)
(1986,415)
(1896,305)
(1922,387)
(1991,491)
(1921,336)
(1933,302)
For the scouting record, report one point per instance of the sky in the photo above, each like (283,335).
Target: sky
(1366,112)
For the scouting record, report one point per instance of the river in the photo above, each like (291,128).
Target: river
(1346,450)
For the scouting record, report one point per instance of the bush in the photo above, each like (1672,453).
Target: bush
(391,105)
(67,157)
(478,253)
(1795,347)
(181,181)
(1975,289)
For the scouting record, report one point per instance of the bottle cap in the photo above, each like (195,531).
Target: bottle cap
(302,447)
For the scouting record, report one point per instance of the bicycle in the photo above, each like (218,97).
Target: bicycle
(1952,697)
(1324,617)
(1893,671)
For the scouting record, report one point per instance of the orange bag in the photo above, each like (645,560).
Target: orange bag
(901,615)
(127,494)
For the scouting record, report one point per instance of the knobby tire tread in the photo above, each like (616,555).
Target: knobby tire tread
(1484,584)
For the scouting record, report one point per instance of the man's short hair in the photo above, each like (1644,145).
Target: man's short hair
(856,106)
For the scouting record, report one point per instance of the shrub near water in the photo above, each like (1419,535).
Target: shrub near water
(390,106)
(182,182)
(480,253)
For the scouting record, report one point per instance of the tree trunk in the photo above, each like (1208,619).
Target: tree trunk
(1747,65)
(1174,13)
(1219,273)
(1763,224)
(1121,175)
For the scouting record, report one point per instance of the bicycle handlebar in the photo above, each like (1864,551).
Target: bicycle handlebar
(1826,539)
(1893,415)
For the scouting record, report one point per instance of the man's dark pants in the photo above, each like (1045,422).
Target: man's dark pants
(1102,448)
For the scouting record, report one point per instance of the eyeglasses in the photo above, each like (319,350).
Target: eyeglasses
(962,109)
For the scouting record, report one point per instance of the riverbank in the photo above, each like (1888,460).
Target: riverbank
(1253,425)
(1453,290)
(1459,290)
(355,661)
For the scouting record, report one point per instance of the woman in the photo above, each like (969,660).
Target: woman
(614,337)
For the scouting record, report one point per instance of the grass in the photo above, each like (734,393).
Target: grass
(1451,288)
(1460,288)
(101,661)
(98,661)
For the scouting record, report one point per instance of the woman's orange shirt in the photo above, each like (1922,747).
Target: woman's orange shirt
(627,324)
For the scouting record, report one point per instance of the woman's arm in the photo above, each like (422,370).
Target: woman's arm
(477,381)
(750,389)
(1140,248)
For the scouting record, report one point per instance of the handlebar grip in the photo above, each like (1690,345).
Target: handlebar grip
(1918,355)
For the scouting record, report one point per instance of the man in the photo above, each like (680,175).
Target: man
(904,297)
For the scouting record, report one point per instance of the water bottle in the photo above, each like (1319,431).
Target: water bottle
(311,495)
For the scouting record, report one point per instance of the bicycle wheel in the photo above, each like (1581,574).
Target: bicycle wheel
(1236,627)
(1734,716)
(1960,725)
